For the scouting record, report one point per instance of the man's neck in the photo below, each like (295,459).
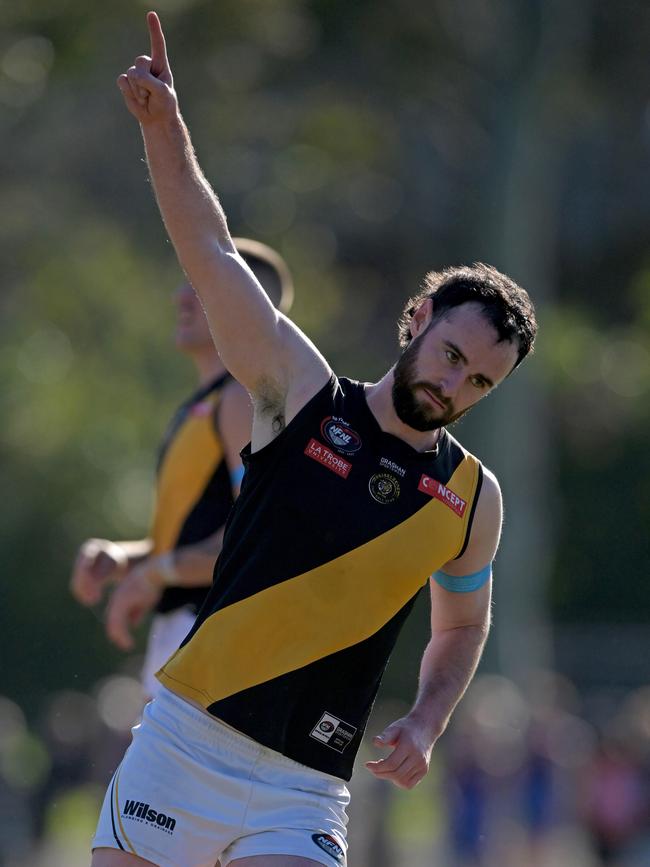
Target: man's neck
(380,401)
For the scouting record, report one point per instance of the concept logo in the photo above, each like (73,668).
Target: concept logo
(328,844)
(441,492)
(384,488)
(340,435)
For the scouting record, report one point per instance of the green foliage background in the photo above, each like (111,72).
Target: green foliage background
(368,141)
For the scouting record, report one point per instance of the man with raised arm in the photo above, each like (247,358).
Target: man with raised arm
(354,497)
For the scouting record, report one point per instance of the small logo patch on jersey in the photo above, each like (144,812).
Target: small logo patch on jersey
(384,488)
(139,811)
(392,466)
(441,492)
(342,437)
(333,732)
(202,409)
(328,844)
(327,458)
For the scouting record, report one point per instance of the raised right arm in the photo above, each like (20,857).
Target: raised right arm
(263,349)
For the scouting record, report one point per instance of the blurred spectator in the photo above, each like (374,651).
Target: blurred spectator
(615,800)
(468,794)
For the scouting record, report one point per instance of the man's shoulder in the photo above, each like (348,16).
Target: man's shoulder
(490,488)
(453,444)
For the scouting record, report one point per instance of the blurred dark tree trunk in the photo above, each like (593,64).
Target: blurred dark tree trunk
(518,231)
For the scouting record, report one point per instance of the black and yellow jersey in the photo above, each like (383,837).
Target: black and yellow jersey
(193,486)
(337,527)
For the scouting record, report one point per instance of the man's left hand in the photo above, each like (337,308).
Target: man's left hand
(409,760)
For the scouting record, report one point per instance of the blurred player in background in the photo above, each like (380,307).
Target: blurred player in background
(198,476)
(354,494)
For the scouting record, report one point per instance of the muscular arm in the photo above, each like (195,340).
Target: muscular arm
(263,349)
(459,628)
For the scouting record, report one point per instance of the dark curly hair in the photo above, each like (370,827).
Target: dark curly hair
(506,305)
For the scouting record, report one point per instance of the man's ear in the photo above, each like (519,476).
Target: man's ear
(421,318)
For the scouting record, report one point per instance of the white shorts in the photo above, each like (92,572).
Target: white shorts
(166,633)
(191,790)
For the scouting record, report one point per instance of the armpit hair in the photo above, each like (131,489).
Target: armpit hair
(269,402)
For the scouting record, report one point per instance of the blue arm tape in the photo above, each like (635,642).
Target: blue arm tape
(463,583)
(236,476)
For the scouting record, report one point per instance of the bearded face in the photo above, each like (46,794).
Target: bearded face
(410,401)
(452,362)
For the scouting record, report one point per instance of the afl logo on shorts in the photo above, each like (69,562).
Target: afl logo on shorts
(340,435)
(326,726)
(384,488)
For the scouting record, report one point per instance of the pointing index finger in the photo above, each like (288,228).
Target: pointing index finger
(159,62)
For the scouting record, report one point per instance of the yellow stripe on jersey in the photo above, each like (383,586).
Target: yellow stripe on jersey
(186,469)
(327,609)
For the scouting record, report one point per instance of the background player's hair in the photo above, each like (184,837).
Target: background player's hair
(506,305)
(270,269)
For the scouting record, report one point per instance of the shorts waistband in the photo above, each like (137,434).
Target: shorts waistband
(216,731)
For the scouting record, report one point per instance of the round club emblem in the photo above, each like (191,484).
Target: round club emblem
(326,726)
(384,488)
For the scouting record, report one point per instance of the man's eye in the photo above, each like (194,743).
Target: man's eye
(477,382)
(451,356)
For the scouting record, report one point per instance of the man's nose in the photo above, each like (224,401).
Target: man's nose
(450,383)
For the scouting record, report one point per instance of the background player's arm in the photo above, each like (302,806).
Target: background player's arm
(190,565)
(459,627)
(141,588)
(234,421)
(263,349)
(100,562)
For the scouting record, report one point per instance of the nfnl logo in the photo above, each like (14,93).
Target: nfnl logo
(340,435)
(328,844)
(139,810)
(444,494)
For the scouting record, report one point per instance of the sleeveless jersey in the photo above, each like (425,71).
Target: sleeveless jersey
(193,488)
(337,527)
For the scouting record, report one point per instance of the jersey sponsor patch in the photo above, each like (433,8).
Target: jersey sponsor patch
(441,492)
(384,488)
(202,409)
(340,435)
(387,464)
(333,732)
(328,844)
(319,452)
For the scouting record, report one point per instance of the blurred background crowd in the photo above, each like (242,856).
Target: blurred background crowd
(368,141)
(540,775)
